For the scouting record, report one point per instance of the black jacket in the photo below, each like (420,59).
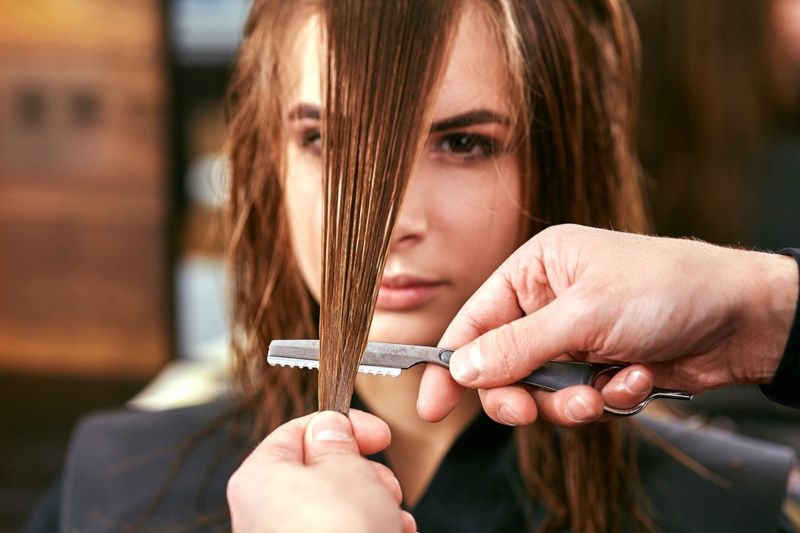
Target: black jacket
(118,460)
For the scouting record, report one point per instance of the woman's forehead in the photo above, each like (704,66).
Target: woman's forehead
(303,67)
(475,76)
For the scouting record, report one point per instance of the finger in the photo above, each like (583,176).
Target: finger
(512,351)
(283,447)
(438,394)
(371,433)
(629,387)
(409,523)
(492,305)
(512,406)
(329,433)
(284,444)
(388,479)
(573,406)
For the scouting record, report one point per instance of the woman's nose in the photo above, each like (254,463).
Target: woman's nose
(413,223)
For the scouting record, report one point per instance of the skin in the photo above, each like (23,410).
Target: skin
(694,315)
(786,19)
(459,222)
(342,491)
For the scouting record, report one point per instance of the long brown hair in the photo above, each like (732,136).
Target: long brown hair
(572,70)
(375,127)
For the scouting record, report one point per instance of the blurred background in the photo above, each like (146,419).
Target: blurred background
(111,267)
(111,180)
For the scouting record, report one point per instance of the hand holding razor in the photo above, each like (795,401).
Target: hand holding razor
(388,359)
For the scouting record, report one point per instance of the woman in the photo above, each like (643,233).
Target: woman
(463,211)
(529,125)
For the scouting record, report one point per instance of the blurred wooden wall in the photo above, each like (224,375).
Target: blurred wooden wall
(84,206)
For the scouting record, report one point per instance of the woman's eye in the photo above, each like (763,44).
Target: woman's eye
(311,139)
(467,145)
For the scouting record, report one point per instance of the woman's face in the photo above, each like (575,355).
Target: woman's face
(461,213)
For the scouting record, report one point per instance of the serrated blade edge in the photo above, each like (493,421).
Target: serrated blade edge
(275,360)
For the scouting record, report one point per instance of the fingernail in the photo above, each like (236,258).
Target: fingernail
(465,369)
(638,382)
(508,416)
(578,410)
(329,425)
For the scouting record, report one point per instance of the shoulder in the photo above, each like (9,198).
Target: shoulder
(109,428)
(704,479)
(119,461)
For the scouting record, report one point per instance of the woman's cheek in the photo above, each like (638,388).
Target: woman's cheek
(303,198)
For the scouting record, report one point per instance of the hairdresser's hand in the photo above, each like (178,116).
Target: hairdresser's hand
(693,315)
(308,475)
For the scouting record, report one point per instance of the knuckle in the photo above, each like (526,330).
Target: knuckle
(504,347)
(234,487)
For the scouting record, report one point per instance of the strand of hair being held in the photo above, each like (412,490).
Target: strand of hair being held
(383,65)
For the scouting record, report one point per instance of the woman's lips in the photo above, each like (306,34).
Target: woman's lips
(401,293)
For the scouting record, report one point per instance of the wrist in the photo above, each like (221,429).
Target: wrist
(769,300)
(783,388)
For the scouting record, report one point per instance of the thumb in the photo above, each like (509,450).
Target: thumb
(512,351)
(329,433)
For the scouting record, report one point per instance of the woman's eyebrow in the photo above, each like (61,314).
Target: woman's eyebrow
(304,111)
(471,118)
(479,116)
